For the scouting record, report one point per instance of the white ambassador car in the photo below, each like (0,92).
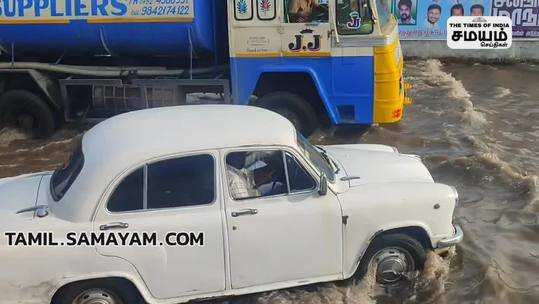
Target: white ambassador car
(235,202)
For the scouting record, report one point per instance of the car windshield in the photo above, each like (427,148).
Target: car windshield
(317,157)
(66,174)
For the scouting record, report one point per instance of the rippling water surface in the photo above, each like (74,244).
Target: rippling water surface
(476,126)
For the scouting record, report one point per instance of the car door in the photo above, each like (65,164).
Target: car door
(279,228)
(174,197)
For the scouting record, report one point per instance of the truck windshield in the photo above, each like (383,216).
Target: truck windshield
(354,17)
(317,159)
(65,175)
(304,11)
(384,12)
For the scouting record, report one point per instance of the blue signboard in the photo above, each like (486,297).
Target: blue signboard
(427,19)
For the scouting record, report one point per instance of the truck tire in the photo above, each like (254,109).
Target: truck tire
(293,107)
(396,255)
(27,111)
(97,291)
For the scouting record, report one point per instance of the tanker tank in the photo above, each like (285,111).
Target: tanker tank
(46,30)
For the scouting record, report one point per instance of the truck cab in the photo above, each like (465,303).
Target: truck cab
(336,58)
(332,61)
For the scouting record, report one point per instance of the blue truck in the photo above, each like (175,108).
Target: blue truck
(331,61)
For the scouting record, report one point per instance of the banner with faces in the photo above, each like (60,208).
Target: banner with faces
(427,19)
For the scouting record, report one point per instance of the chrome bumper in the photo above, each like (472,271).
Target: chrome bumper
(455,239)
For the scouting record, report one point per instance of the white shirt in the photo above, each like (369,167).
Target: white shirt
(241,184)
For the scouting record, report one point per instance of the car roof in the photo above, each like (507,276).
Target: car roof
(125,142)
(170,130)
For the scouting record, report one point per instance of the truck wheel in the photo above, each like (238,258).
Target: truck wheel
(395,256)
(96,292)
(28,112)
(293,107)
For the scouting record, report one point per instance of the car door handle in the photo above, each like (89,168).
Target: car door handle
(244,212)
(114,226)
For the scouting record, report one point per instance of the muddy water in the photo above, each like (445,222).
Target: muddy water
(476,126)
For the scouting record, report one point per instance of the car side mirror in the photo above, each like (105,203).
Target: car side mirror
(323,190)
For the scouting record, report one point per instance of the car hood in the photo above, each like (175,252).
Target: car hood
(378,164)
(19,192)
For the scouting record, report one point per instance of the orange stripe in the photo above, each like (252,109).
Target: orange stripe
(258,54)
(142,20)
(307,54)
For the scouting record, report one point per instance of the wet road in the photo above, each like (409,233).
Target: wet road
(476,127)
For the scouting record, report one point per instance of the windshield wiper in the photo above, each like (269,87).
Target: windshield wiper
(337,169)
(330,161)
(321,149)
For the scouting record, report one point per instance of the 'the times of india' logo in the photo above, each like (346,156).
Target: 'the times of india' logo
(484,32)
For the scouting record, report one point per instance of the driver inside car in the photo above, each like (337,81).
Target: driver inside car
(240,180)
(270,178)
(255,174)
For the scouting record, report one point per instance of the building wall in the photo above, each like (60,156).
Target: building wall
(522,50)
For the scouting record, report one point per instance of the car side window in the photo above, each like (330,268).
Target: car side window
(255,174)
(181,182)
(172,183)
(129,194)
(299,179)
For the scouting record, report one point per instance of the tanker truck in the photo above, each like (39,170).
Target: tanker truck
(319,61)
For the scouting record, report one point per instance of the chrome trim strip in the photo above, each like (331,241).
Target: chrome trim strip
(286,172)
(455,239)
(145,188)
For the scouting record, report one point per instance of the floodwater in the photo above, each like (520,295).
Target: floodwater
(476,127)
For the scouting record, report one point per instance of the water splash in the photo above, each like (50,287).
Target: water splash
(501,92)
(8,135)
(347,292)
(434,278)
(435,75)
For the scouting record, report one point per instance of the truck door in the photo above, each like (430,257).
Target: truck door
(305,30)
(280,230)
(170,197)
(353,67)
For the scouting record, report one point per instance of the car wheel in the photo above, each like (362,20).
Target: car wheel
(293,107)
(395,256)
(28,112)
(97,292)
(97,296)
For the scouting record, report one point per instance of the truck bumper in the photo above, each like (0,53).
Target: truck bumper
(451,241)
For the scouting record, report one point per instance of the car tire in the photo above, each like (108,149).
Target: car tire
(100,291)
(399,253)
(293,107)
(27,111)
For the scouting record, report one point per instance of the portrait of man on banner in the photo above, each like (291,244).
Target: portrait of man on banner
(434,14)
(406,11)
(428,19)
